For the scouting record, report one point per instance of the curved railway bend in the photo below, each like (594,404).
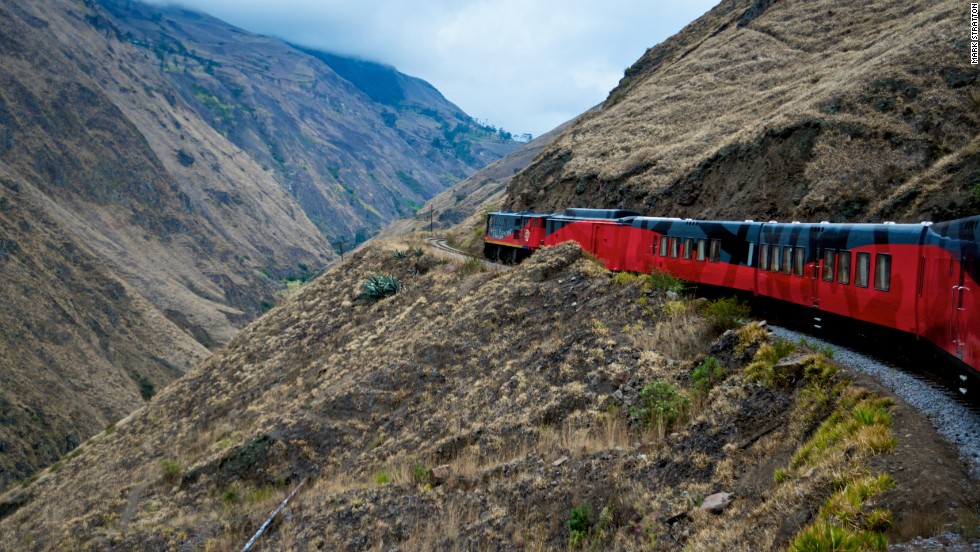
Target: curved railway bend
(954,416)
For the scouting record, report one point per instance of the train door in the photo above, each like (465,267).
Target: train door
(958,305)
(604,245)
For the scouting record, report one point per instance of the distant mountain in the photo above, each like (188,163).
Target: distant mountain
(484,189)
(163,175)
(783,110)
(356,144)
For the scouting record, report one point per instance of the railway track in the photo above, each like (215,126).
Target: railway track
(441,245)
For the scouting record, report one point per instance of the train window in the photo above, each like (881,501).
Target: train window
(688,248)
(862,267)
(763,256)
(663,245)
(714,252)
(828,265)
(702,249)
(675,247)
(844,267)
(774,258)
(787,259)
(883,271)
(799,260)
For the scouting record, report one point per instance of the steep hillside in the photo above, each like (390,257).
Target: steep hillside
(793,109)
(177,211)
(483,410)
(79,349)
(130,230)
(356,144)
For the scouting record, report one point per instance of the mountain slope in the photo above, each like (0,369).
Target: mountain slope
(781,110)
(354,156)
(79,348)
(521,382)
(481,190)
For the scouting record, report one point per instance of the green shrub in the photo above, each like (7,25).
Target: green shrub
(382,477)
(421,474)
(664,281)
(230,496)
(976,192)
(726,314)
(661,404)
(399,254)
(379,286)
(170,470)
(579,524)
(706,374)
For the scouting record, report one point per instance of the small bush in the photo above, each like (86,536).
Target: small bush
(674,308)
(170,470)
(472,265)
(664,281)
(421,474)
(230,496)
(382,477)
(726,314)
(660,404)
(379,286)
(399,254)
(976,192)
(579,524)
(706,374)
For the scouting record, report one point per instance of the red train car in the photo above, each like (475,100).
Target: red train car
(917,278)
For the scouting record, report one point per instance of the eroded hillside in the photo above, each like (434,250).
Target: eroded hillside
(355,144)
(79,349)
(784,110)
(536,408)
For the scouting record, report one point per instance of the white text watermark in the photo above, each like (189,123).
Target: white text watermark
(974,33)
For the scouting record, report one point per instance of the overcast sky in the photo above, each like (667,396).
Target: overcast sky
(524,65)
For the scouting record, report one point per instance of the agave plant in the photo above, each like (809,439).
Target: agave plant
(399,254)
(379,286)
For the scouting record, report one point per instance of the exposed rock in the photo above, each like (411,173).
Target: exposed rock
(440,474)
(560,461)
(716,503)
(791,366)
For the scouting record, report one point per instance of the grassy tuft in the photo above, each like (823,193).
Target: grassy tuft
(170,470)
(664,281)
(625,278)
(382,477)
(769,354)
(749,335)
(726,314)
(858,423)
(706,374)
(579,524)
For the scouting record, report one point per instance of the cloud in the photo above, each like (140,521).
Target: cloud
(524,65)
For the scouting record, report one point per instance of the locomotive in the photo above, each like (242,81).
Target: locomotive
(921,279)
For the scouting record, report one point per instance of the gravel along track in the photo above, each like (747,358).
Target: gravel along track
(949,413)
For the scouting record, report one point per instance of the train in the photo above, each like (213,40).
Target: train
(920,279)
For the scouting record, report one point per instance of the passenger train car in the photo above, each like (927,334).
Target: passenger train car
(917,278)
